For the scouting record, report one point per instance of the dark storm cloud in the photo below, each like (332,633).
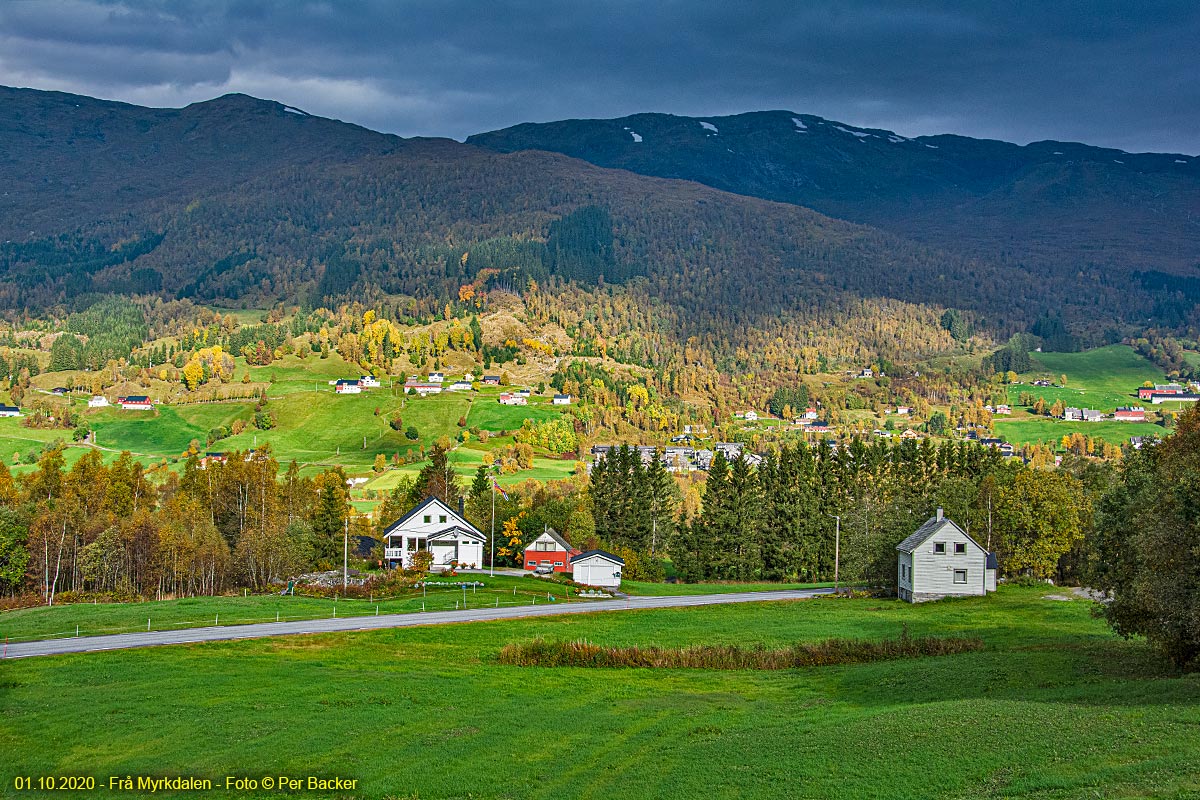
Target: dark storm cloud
(1120,74)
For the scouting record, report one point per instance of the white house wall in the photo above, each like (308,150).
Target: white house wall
(933,573)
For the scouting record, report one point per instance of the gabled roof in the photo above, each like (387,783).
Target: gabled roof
(135,398)
(457,530)
(424,504)
(932,526)
(556,536)
(601,554)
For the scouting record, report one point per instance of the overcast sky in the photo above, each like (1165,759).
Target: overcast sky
(1122,74)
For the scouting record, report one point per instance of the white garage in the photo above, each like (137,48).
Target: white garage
(597,568)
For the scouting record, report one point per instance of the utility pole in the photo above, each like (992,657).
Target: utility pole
(837,546)
(346,555)
(492,560)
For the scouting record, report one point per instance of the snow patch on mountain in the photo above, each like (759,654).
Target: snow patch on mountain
(291,110)
(800,126)
(708,126)
(894,139)
(637,137)
(859,134)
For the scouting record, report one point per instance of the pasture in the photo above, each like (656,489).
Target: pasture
(1055,706)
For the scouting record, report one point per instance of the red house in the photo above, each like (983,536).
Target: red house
(1130,414)
(550,550)
(137,402)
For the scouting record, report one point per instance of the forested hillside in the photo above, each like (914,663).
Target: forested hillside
(1063,210)
(250,202)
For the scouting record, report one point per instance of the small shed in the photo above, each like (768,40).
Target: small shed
(597,568)
(941,560)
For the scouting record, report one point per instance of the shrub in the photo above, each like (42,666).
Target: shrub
(411,433)
(541,653)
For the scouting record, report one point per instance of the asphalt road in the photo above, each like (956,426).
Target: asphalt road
(50,647)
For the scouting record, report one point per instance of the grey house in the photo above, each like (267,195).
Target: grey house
(941,560)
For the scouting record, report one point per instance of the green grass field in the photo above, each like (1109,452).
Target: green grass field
(1104,378)
(314,425)
(1055,707)
(1043,430)
(85,619)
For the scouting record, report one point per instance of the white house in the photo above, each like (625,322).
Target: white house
(422,388)
(98,401)
(436,377)
(10,411)
(597,568)
(507,399)
(368,382)
(941,560)
(562,400)
(751,416)
(460,386)
(347,386)
(435,527)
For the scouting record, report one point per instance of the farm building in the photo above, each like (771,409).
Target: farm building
(135,402)
(941,560)
(9,411)
(597,568)
(509,399)
(1130,414)
(435,527)
(368,382)
(347,386)
(437,377)
(459,386)
(491,380)
(562,400)
(550,550)
(98,401)
(422,388)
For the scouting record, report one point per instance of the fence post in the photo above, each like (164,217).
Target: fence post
(76,631)
(217,621)
(147,623)
(377,611)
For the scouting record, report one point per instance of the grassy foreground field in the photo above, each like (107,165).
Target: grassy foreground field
(1056,707)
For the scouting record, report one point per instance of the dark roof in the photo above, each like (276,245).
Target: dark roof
(992,563)
(601,553)
(491,377)
(9,408)
(557,537)
(931,526)
(345,381)
(135,398)
(421,507)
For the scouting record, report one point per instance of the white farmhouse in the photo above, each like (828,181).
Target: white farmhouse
(941,560)
(435,527)
(597,568)
(98,401)
(368,382)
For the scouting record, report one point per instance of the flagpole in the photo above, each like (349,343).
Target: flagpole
(492,564)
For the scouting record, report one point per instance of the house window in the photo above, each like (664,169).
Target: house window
(543,545)
(558,563)
(960,548)
(441,517)
(939,547)
(960,576)
(428,519)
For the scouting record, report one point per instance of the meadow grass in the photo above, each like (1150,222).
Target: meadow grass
(1045,430)
(1054,707)
(97,619)
(1104,378)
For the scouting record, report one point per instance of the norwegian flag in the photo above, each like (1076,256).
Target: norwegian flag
(496,486)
